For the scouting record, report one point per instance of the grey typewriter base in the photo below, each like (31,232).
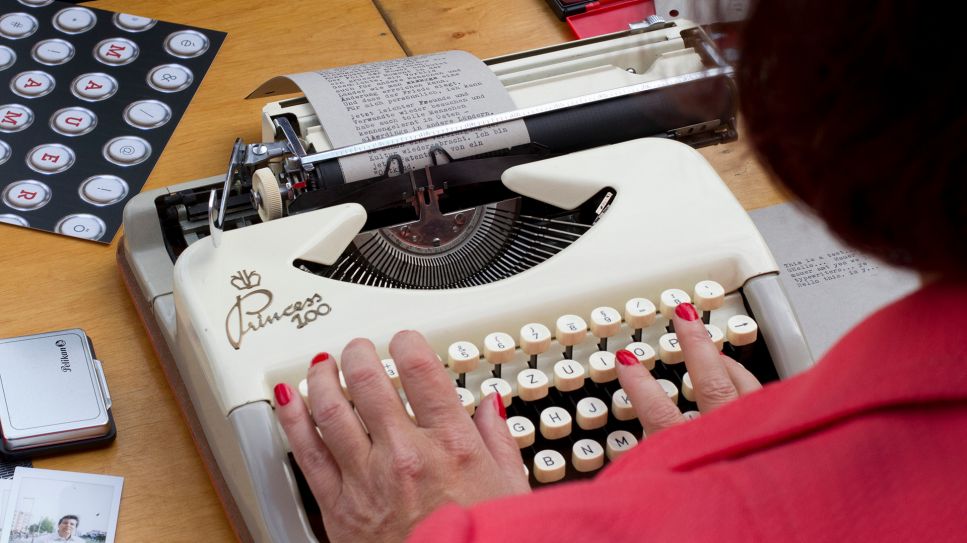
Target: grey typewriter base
(782,334)
(260,497)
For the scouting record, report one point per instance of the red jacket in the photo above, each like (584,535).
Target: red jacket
(868,446)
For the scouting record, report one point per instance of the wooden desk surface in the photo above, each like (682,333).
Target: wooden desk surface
(51,282)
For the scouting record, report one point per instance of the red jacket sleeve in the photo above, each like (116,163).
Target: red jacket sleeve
(660,506)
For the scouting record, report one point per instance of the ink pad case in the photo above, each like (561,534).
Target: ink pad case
(53,395)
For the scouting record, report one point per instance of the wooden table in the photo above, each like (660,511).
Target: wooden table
(51,282)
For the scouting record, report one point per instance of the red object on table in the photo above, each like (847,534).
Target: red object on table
(605,17)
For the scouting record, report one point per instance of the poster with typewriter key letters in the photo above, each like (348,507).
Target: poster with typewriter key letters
(88,100)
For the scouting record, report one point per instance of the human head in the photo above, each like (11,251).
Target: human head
(67,525)
(855,107)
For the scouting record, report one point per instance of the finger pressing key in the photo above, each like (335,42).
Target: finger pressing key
(655,409)
(376,400)
(428,387)
(333,415)
(712,386)
(322,470)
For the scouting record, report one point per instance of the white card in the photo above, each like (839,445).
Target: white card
(5,486)
(47,504)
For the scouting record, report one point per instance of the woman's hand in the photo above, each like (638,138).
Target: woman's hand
(376,485)
(716,378)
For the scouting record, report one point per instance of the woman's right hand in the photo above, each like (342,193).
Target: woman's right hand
(716,378)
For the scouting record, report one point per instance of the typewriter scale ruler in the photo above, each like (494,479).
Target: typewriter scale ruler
(309,161)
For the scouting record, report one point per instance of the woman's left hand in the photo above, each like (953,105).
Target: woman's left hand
(376,485)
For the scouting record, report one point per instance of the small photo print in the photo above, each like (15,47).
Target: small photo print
(61,506)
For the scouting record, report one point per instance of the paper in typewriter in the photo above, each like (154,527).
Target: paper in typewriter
(366,102)
(831,287)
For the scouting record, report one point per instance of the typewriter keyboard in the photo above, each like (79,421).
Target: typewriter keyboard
(558,381)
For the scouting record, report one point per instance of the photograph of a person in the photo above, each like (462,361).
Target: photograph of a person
(52,506)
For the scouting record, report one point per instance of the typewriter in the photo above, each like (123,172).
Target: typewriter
(525,269)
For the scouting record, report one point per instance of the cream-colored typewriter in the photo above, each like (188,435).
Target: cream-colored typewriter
(526,267)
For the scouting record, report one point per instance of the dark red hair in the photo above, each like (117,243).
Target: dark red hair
(858,108)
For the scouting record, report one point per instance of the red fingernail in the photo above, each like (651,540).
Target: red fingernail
(626,358)
(500,406)
(283,394)
(687,311)
(321,357)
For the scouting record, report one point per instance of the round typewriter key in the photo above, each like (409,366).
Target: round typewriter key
(495,384)
(186,44)
(170,78)
(532,385)
(709,295)
(14,118)
(50,158)
(549,466)
(605,322)
(621,406)
(670,300)
(94,87)
(620,442)
(26,195)
(587,455)
(555,422)
(7,57)
(669,349)
(716,335)
(133,23)
(146,114)
(742,330)
(570,330)
(73,121)
(568,375)
(643,352)
(14,219)
(466,400)
(103,190)
(116,51)
(463,356)
(640,312)
(53,52)
(601,366)
(17,25)
(499,348)
(32,84)
(36,3)
(4,152)
(592,413)
(389,366)
(522,430)
(535,338)
(74,20)
(81,225)
(304,389)
(127,150)
(688,391)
